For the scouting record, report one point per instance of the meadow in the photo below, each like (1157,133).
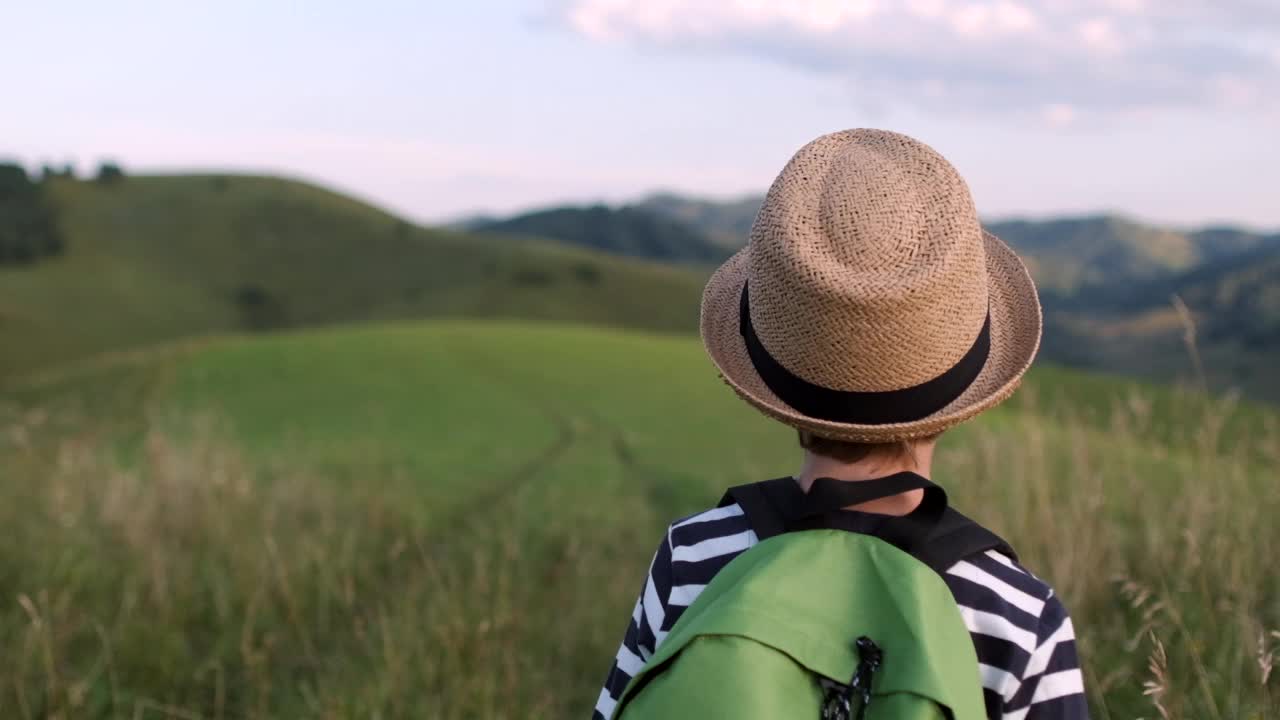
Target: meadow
(452,520)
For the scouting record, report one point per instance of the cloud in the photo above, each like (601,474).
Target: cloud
(1056,59)
(1059,115)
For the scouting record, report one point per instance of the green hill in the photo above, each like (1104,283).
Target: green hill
(451,520)
(1240,297)
(1071,254)
(1237,297)
(726,223)
(1234,316)
(631,231)
(151,259)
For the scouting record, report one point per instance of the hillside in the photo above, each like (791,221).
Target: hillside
(1069,255)
(628,230)
(725,223)
(151,259)
(1235,313)
(1239,298)
(296,524)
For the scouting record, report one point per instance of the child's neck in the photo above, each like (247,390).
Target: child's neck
(819,466)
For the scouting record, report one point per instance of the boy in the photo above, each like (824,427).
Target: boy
(871,312)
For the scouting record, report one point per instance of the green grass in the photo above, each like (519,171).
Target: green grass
(452,520)
(157,259)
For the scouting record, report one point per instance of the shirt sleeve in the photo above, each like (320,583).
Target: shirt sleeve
(1052,686)
(644,631)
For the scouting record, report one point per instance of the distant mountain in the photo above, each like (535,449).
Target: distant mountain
(1219,243)
(725,223)
(1071,254)
(631,231)
(1109,257)
(1109,288)
(1236,298)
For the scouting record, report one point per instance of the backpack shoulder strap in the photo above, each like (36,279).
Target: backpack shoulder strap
(766,504)
(772,504)
(957,537)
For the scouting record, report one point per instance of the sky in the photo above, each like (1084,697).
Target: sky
(1165,110)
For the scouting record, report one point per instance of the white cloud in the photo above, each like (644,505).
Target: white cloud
(1125,6)
(1235,91)
(1091,56)
(980,19)
(1059,115)
(1098,33)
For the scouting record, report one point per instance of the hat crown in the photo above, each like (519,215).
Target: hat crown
(866,264)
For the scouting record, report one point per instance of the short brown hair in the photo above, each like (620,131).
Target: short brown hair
(850,452)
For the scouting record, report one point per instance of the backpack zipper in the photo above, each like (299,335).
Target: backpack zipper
(839,701)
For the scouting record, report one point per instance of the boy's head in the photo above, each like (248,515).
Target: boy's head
(869,305)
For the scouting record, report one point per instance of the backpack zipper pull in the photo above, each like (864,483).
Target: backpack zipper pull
(869,659)
(839,701)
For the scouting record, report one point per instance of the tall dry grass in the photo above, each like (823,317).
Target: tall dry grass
(1159,533)
(191,583)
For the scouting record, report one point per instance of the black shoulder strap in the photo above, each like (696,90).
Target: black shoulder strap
(766,504)
(777,506)
(957,537)
(771,508)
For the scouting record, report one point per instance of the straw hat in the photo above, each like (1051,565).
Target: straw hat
(869,304)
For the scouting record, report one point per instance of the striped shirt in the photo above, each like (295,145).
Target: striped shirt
(1023,636)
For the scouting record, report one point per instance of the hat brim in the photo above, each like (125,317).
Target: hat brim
(1016,324)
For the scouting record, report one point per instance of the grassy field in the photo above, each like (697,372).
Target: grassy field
(452,520)
(159,258)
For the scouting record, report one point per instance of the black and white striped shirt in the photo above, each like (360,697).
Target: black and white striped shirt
(1025,643)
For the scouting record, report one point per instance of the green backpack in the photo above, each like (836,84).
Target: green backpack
(823,620)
